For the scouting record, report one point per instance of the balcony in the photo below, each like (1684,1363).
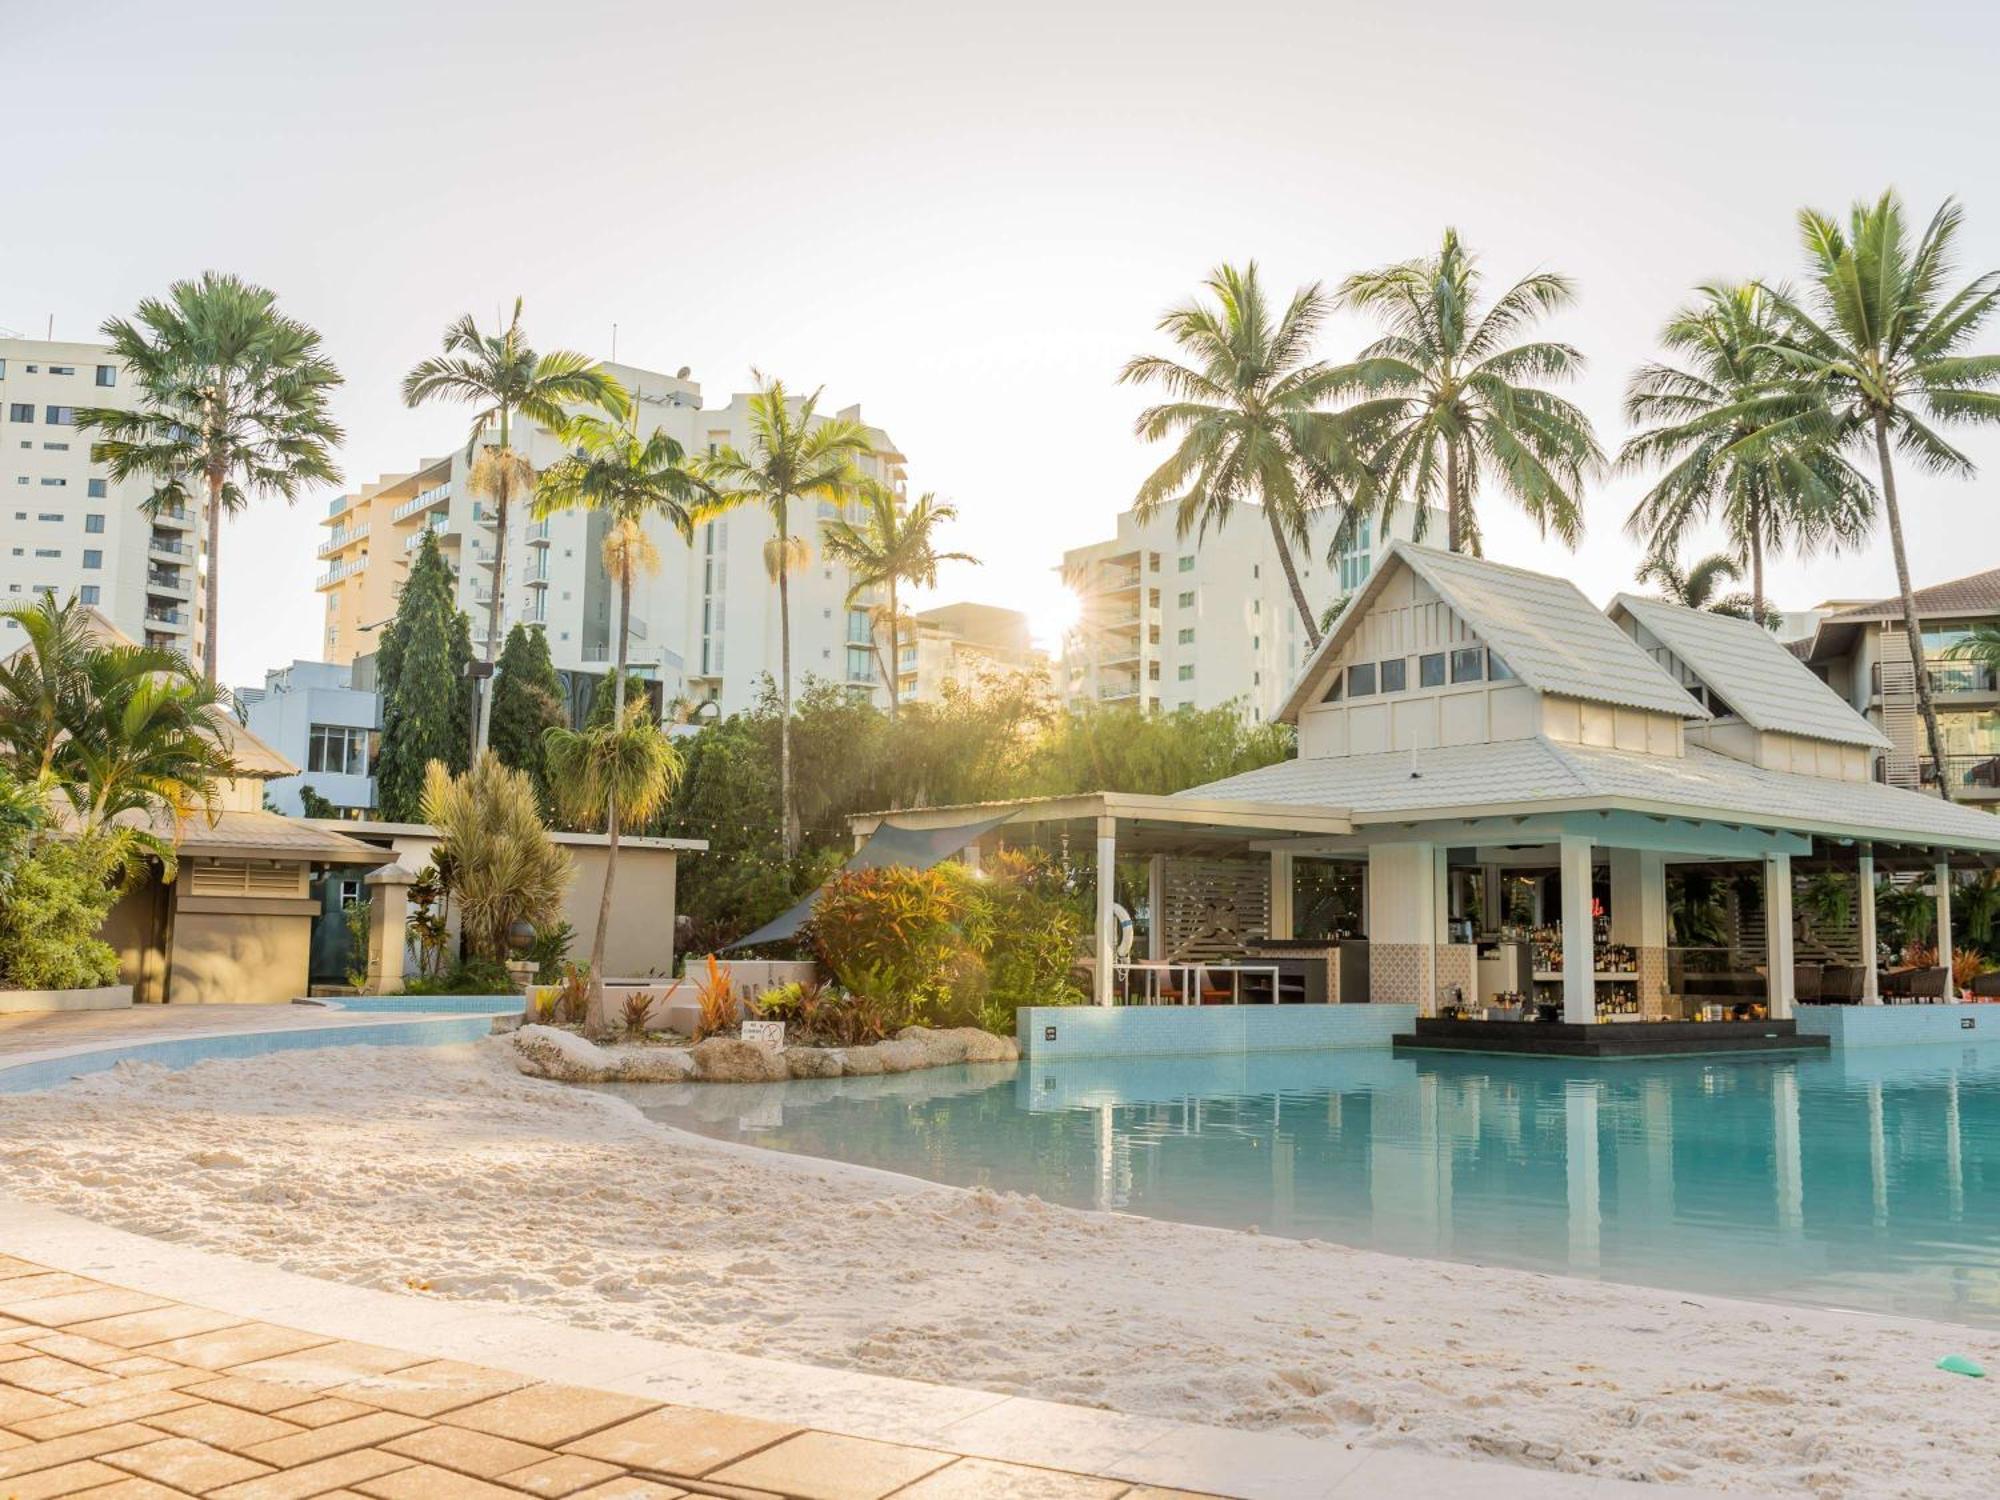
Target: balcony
(1975,774)
(538,534)
(168,546)
(342,570)
(167,618)
(437,494)
(434,528)
(178,517)
(341,539)
(1948,677)
(166,581)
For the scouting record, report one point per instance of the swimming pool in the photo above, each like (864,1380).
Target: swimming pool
(1867,1179)
(436,1005)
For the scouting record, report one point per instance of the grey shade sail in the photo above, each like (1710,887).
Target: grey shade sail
(918,848)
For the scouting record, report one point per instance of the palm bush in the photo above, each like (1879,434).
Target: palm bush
(52,912)
(505,868)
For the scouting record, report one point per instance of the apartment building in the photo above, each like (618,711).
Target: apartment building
(326,720)
(1863,654)
(960,644)
(1165,622)
(705,626)
(66,527)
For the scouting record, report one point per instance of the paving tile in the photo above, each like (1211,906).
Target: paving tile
(132,1488)
(76,1348)
(174,1321)
(984,1479)
(338,1437)
(327,1365)
(139,1364)
(38,1284)
(10,1440)
(1154,1492)
(85,1306)
(63,1450)
(127,1386)
(425,1483)
(186,1464)
(17,1407)
(828,1466)
(51,1376)
(549,1415)
(255,1395)
(323,1411)
(221,1426)
(558,1475)
(11,1267)
(19,1351)
(146,1404)
(12,1325)
(480,1454)
(64,1479)
(681,1441)
(631,1487)
(325,1477)
(425,1390)
(227,1347)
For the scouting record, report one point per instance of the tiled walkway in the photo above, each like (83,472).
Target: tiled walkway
(120,1395)
(34,1031)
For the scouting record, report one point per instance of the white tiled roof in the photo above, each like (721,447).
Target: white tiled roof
(1757,676)
(1474,780)
(1545,629)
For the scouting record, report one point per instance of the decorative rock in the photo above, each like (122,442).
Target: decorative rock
(814,1062)
(902,1057)
(859,1062)
(547,1052)
(723,1059)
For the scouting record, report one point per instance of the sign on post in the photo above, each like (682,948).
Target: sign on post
(770,1035)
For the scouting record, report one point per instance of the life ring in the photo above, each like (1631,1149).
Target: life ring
(1121,926)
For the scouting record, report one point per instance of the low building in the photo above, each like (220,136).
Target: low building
(326,719)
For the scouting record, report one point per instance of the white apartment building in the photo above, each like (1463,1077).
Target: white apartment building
(66,527)
(1165,622)
(705,626)
(960,644)
(326,720)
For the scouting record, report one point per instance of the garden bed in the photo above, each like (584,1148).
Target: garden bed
(550,1052)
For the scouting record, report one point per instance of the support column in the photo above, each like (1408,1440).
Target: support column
(1944,921)
(1403,919)
(1107,934)
(1639,919)
(1778,934)
(1871,976)
(1281,895)
(388,927)
(1579,939)
(1156,907)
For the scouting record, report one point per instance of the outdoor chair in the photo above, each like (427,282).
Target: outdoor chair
(1987,986)
(1808,981)
(1920,985)
(1840,984)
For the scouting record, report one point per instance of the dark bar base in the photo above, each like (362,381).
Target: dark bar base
(1614,1039)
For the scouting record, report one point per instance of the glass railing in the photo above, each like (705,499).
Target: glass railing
(1962,770)
(1949,677)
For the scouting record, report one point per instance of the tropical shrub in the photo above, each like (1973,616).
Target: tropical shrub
(1032,929)
(716,996)
(572,992)
(504,866)
(476,976)
(58,899)
(549,949)
(638,1007)
(896,935)
(818,1013)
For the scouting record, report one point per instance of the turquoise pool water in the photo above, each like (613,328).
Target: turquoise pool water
(436,1005)
(1869,1178)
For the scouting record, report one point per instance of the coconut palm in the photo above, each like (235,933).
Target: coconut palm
(795,457)
(894,542)
(232,406)
(1734,439)
(625,766)
(1701,585)
(504,377)
(1443,401)
(1878,337)
(1247,408)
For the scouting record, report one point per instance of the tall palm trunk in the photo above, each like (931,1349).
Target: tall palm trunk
(1452,503)
(1757,562)
(895,652)
(595,1023)
(482,703)
(1912,631)
(790,835)
(211,587)
(1292,579)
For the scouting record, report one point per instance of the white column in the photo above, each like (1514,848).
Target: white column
(1107,935)
(1579,939)
(1871,977)
(1944,919)
(1403,924)
(1778,934)
(1281,895)
(1156,902)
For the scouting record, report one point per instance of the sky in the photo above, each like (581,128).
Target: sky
(966,218)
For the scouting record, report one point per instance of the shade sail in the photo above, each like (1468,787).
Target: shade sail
(917,848)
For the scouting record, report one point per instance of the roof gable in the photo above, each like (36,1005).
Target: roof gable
(1549,634)
(1756,675)
(1975,594)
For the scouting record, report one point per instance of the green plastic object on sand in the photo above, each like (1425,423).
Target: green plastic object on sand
(1958,1364)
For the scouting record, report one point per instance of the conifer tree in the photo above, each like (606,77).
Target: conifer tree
(528,700)
(421,673)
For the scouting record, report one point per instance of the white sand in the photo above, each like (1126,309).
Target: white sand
(444,1170)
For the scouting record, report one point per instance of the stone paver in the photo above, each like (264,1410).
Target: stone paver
(115,1395)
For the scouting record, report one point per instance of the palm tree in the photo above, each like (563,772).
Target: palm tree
(893,543)
(1444,400)
(795,457)
(625,764)
(504,377)
(232,400)
(1701,585)
(1884,344)
(1247,408)
(1733,437)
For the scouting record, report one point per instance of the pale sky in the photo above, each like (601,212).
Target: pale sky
(966,218)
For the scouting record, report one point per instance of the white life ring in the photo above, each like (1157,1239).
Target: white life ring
(1121,926)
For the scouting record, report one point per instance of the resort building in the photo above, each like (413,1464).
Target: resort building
(70,529)
(1862,652)
(705,625)
(961,645)
(1509,806)
(1166,622)
(325,718)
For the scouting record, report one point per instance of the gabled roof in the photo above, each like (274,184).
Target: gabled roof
(1756,675)
(1551,636)
(1975,594)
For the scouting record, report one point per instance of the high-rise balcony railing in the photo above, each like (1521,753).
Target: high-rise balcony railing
(437,494)
(340,539)
(1962,771)
(173,546)
(170,580)
(166,617)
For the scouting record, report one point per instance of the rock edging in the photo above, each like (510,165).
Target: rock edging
(547,1052)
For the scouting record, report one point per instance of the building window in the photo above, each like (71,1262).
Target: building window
(1186,636)
(340,750)
(48,552)
(860,664)
(59,416)
(107,375)
(20,411)
(93,523)
(1496,669)
(55,447)
(1186,600)
(1395,674)
(62,369)
(1186,673)
(1361,680)
(92,558)
(1468,664)
(55,484)
(1152,562)
(96,489)
(1335,691)
(1152,671)
(49,515)
(1187,563)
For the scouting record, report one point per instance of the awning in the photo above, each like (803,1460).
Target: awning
(916,848)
